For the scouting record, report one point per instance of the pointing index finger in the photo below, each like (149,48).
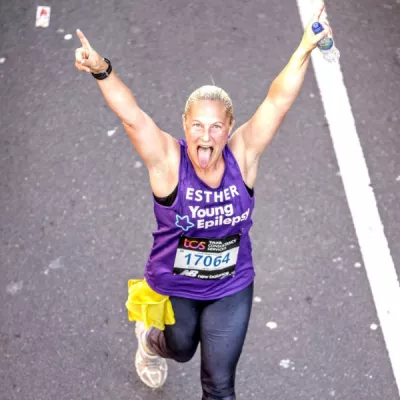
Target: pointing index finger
(82,38)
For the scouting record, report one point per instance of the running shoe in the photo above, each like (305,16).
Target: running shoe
(151,368)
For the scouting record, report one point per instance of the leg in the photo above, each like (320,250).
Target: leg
(178,341)
(223,328)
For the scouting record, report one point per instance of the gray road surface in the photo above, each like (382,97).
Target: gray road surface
(76,207)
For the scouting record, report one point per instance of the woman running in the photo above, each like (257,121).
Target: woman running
(201,258)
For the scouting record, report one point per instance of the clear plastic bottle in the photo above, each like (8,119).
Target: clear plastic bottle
(326,45)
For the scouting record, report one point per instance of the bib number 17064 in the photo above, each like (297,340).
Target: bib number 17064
(206,261)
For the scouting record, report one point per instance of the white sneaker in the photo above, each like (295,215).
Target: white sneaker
(151,368)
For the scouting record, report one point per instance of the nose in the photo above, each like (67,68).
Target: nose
(206,135)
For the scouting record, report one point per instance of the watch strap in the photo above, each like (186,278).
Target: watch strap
(105,74)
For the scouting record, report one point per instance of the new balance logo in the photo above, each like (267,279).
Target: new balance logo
(188,272)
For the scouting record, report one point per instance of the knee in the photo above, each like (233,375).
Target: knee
(218,388)
(184,352)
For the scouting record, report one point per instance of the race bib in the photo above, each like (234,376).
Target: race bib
(207,258)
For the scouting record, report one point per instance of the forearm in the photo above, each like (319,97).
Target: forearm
(119,98)
(286,86)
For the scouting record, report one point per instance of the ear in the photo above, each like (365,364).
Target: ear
(232,125)
(183,121)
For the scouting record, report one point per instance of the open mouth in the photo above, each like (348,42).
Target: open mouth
(204,154)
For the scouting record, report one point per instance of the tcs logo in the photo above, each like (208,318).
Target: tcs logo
(194,244)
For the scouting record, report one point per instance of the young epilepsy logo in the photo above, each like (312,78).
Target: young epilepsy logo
(183,222)
(216,215)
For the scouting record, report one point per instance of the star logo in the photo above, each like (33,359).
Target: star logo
(183,222)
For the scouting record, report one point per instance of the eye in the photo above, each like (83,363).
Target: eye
(196,125)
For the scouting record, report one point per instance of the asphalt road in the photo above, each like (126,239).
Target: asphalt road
(76,207)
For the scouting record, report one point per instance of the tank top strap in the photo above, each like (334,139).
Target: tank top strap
(230,160)
(183,165)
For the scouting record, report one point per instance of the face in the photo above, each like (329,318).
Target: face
(207,128)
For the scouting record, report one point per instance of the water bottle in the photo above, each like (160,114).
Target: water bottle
(326,45)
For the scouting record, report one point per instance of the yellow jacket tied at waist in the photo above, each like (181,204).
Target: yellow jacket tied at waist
(144,304)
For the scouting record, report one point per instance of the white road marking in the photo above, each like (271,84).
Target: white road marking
(286,363)
(111,132)
(374,247)
(272,325)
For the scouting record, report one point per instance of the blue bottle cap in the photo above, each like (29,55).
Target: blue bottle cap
(317,27)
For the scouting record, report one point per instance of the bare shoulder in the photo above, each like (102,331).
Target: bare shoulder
(164,174)
(247,163)
(235,141)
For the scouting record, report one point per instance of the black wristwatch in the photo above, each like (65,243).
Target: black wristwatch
(103,75)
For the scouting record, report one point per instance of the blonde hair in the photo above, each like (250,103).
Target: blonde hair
(210,92)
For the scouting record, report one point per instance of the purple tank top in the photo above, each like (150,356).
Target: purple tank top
(202,247)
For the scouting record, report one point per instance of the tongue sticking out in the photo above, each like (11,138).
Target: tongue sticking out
(204,156)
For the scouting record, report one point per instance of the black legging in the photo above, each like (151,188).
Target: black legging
(221,326)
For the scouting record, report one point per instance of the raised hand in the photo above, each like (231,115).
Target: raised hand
(310,39)
(86,58)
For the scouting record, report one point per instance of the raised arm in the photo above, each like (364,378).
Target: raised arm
(152,144)
(255,135)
